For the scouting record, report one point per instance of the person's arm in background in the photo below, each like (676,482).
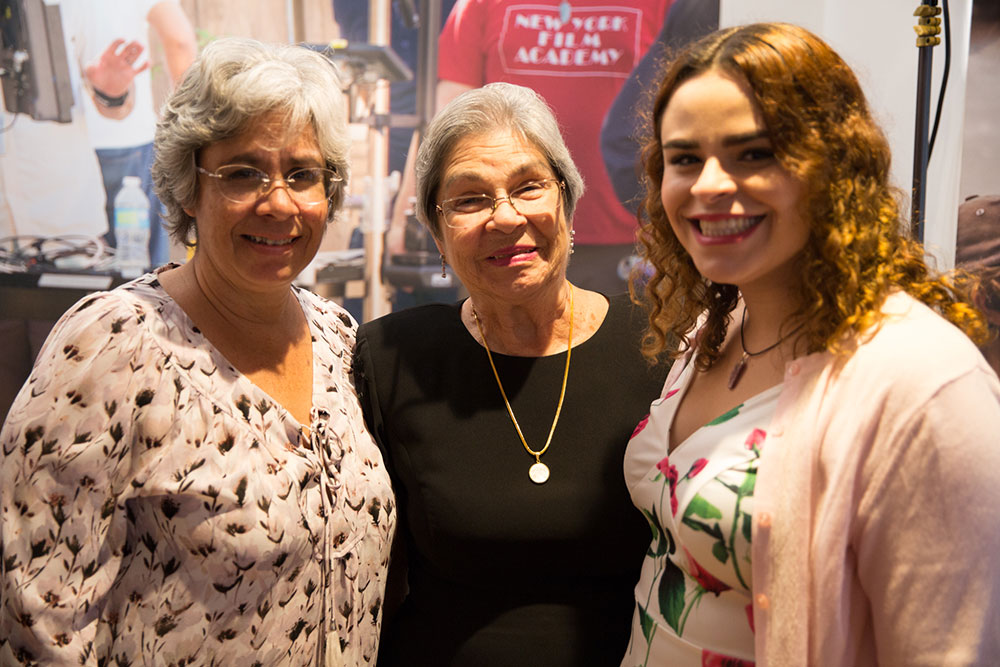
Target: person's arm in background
(176,34)
(446,92)
(459,42)
(110,78)
(395,237)
(623,124)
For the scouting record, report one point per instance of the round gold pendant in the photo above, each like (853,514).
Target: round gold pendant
(539,473)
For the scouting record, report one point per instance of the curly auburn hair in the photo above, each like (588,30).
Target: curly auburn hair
(823,133)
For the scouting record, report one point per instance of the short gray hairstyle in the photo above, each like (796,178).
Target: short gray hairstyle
(482,111)
(232,83)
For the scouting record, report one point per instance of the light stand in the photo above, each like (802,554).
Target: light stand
(928,28)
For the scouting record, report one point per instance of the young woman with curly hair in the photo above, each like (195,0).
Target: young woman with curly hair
(819,471)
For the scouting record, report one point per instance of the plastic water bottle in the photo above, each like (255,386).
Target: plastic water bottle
(132,228)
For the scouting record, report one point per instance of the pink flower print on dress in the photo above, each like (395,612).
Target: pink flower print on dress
(711,659)
(664,466)
(641,425)
(671,474)
(704,579)
(697,467)
(670,393)
(755,439)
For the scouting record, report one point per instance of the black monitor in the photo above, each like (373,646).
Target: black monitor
(34,68)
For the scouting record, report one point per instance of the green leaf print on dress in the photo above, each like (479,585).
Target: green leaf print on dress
(671,595)
(682,582)
(701,507)
(725,416)
(662,539)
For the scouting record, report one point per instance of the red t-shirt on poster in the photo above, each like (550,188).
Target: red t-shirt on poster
(577,55)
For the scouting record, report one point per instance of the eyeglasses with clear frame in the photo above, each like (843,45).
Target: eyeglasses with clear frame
(532,198)
(243,184)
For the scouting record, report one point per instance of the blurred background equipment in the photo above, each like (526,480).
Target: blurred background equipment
(411,273)
(34,68)
(978,252)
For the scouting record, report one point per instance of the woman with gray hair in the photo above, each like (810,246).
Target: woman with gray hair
(503,418)
(186,477)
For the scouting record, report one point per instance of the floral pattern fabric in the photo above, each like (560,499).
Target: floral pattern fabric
(693,599)
(156,507)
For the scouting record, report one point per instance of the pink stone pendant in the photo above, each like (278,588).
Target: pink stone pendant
(737,372)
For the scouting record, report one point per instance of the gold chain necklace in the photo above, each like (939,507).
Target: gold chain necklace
(538,472)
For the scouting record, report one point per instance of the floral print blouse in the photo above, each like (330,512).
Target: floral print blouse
(693,599)
(156,507)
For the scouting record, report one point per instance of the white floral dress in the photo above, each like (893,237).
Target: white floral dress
(693,599)
(156,507)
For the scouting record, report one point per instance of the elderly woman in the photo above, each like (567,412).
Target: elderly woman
(820,471)
(504,417)
(186,477)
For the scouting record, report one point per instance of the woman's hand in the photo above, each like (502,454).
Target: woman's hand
(114,70)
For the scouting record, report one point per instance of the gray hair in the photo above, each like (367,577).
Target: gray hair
(497,106)
(232,83)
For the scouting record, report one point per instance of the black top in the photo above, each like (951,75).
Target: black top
(503,571)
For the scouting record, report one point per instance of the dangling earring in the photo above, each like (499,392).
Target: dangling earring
(444,268)
(572,240)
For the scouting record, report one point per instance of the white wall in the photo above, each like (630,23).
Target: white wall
(876,38)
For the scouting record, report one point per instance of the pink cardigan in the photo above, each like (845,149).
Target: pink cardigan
(876,528)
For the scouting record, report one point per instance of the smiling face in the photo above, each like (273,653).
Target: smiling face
(510,257)
(732,205)
(261,245)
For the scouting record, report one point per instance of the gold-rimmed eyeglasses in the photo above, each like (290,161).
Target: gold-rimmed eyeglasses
(243,184)
(532,198)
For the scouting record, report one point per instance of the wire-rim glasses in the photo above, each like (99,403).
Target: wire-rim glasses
(532,198)
(243,184)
